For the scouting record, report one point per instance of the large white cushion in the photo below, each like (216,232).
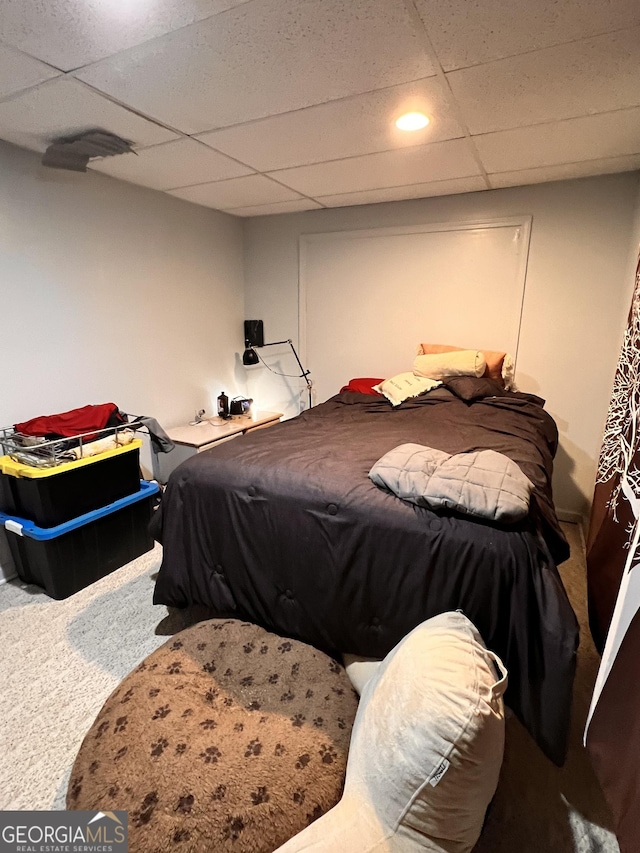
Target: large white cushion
(426,748)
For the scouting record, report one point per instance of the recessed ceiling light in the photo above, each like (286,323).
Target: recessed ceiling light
(412,121)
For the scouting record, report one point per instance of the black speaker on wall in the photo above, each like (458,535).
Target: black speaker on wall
(253,333)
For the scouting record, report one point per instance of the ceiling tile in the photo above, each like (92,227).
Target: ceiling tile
(277,207)
(70,34)
(566,171)
(457,185)
(64,107)
(173,164)
(19,71)
(586,138)
(360,124)
(464,33)
(423,163)
(266,57)
(237,192)
(577,79)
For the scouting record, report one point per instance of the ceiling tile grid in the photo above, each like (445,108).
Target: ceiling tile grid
(573,140)
(346,127)
(465,33)
(585,77)
(566,171)
(275,207)
(432,188)
(71,33)
(19,71)
(264,58)
(64,107)
(259,107)
(181,163)
(423,163)
(237,192)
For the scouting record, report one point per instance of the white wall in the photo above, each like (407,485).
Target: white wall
(429,283)
(112,292)
(576,293)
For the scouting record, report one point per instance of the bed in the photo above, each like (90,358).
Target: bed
(284,528)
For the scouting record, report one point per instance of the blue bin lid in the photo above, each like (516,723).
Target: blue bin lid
(24,527)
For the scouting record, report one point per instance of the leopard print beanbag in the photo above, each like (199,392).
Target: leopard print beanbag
(226,738)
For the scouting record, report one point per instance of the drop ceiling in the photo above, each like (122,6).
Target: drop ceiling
(270,106)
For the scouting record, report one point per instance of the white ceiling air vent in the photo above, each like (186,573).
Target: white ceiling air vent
(74,153)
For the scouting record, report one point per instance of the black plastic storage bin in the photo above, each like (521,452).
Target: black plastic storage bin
(52,496)
(66,558)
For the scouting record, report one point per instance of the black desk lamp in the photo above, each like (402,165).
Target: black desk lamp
(254,338)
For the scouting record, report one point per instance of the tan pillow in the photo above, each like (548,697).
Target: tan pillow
(496,361)
(435,349)
(405,385)
(426,748)
(465,362)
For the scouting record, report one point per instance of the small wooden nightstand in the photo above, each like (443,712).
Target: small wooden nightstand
(194,438)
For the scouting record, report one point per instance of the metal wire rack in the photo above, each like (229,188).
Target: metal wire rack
(40,452)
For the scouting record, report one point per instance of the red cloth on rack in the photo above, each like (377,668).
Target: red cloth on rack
(71,423)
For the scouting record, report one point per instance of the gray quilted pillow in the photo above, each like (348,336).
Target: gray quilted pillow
(482,483)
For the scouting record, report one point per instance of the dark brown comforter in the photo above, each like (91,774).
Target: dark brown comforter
(284,527)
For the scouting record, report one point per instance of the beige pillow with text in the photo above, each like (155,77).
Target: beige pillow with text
(404,385)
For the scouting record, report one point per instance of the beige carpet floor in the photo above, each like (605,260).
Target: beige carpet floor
(540,808)
(61,659)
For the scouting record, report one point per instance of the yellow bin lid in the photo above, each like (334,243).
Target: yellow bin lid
(18,469)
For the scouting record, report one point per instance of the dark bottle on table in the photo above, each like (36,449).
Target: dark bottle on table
(223,406)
